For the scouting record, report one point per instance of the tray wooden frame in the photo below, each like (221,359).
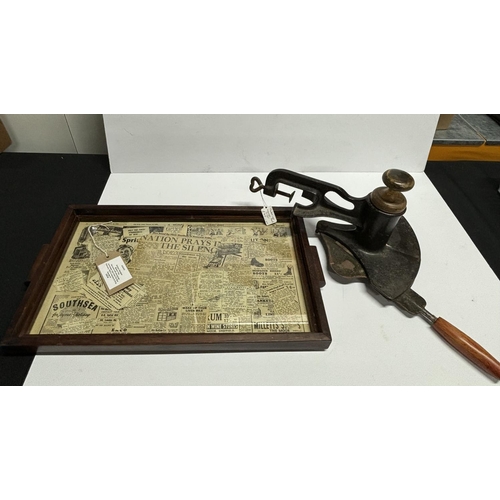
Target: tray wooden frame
(18,339)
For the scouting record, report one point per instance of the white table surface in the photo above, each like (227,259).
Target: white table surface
(373,344)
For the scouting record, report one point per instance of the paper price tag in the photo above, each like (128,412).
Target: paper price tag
(269,216)
(114,272)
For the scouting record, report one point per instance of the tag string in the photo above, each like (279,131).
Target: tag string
(263,201)
(90,228)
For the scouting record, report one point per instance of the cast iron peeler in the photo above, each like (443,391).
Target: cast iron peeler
(376,245)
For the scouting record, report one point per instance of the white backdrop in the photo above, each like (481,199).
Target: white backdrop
(256,143)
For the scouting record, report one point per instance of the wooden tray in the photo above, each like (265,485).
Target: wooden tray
(208,279)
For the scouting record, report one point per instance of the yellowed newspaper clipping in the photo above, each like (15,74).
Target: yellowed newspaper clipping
(199,277)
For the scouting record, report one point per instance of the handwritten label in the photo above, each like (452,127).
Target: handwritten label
(269,216)
(114,272)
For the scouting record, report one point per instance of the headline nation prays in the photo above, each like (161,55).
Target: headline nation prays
(183,243)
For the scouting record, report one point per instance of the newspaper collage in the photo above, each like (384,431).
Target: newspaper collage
(199,277)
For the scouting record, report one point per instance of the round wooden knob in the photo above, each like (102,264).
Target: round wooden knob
(390,199)
(398,179)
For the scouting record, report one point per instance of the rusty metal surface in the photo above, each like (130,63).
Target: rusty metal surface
(390,269)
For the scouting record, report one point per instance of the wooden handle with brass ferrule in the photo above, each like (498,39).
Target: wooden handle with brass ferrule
(467,347)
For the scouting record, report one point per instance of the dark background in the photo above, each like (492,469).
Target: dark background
(35,190)
(470,188)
